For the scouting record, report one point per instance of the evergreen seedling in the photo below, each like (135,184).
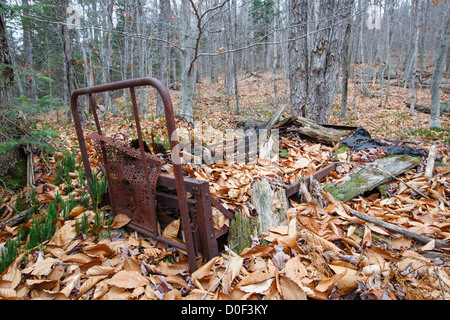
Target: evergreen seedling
(97,188)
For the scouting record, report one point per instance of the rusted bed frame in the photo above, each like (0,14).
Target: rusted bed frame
(133,176)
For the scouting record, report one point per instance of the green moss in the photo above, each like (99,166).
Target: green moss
(346,190)
(239,236)
(368,178)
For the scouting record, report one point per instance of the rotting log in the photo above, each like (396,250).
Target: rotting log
(370,176)
(311,130)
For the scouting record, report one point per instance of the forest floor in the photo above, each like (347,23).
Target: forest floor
(318,253)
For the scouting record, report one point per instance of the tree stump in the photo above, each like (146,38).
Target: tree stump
(270,206)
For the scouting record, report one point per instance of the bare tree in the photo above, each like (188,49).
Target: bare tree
(415,45)
(436,81)
(69,60)
(163,50)
(31,92)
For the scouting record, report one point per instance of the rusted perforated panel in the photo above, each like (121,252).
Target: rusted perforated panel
(130,193)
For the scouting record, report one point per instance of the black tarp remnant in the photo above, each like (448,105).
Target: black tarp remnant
(362,140)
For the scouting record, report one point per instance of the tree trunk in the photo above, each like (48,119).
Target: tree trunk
(436,81)
(6,69)
(298,56)
(12,163)
(187,73)
(314,96)
(107,13)
(163,51)
(31,92)
(345,70)
(415,46)
(69,62)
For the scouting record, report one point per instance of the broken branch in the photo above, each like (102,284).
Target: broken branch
(397,229)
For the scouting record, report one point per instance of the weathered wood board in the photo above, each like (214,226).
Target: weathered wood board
(371,176)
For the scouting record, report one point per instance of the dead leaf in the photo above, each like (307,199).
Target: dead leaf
(76,211)
(327,284)
(258,287)
(290,290)
(171,231)
(88,284)
(295,269)
(254,277)
(119,221)
(100,271)
(429,246)
(128,280)
(41,267)
(204,271)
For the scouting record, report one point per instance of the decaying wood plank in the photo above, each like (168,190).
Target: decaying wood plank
(275,118)
(240,231)
(371,176)
(397,229)
(312,131)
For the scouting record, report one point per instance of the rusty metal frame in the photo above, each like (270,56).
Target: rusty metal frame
(182,202)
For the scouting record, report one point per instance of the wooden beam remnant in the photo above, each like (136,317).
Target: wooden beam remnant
(370,176)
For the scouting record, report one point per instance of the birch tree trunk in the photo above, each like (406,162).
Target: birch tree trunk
(436,81)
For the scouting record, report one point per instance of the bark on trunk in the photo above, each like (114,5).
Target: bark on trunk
(6,70)
(436,81)
(163,51)
(69,63)
(313,82)
(298,57)
(188,74)
(31,92)
(12,163)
